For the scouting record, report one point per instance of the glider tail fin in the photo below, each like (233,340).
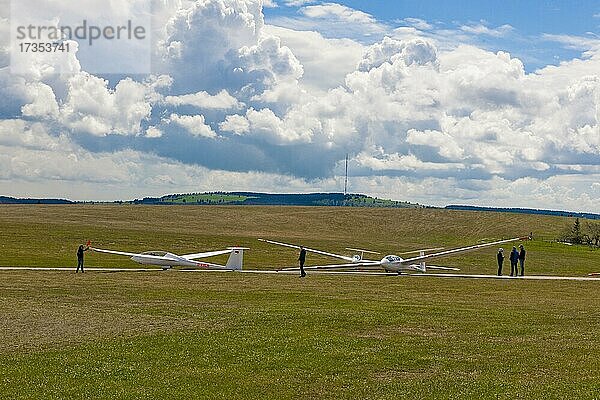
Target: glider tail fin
(422,263)
(236,258)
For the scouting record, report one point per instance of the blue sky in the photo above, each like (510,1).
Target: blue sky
(436,102)
(529,17)
(531,20)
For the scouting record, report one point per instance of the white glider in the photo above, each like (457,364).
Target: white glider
(389,263)
(168,260)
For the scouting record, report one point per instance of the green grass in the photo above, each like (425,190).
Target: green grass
(238,336)
(49,235)
(207,335)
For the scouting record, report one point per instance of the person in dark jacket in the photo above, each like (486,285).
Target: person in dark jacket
(522,259)
(514,258)
(80,251)
(500,257)
(302,259)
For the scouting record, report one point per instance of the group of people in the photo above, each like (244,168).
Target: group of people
(516,257)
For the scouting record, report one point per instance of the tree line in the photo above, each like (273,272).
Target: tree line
(587,233)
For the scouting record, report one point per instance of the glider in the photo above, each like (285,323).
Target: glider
(168,260)
(389,263)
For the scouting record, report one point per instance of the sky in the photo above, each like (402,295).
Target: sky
(456,102)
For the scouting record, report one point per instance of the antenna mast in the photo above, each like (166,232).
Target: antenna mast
(346,180)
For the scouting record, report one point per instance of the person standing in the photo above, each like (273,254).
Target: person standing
(80,251)
(522,259)
(500,257)
(302,259)
(514,258)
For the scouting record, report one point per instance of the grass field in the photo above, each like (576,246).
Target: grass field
(210,335)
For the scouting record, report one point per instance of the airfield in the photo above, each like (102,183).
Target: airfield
(128,332)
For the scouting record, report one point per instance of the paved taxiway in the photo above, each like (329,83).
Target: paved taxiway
(72,269)
(249,271)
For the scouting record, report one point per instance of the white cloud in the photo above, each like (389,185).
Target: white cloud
(417,23)
(325,62)
(194,124)
(221,44)
(202,99)
(334,20)
(153,132)
(41,101)
(482,29)
(92,107)
(417,51)
(445,143)
(581,43)
(399,162)
(15,133)
(298,3)
(266,125)
(237,124)
(270,57)
(269,4)
(338,11)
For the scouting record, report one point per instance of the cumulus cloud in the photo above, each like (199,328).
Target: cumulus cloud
(463,114)
(92,107)
(389,50)
(194,124)
(236,104)
(220,44)
(325,62)
(220,101)
(338,11)
(237,124)
(267,126)
(270,60)
(41,101)
(153,132)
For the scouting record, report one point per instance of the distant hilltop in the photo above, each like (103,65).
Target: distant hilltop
(297,199)
(13,200)
(526,211)
(240,198)
(252,198)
